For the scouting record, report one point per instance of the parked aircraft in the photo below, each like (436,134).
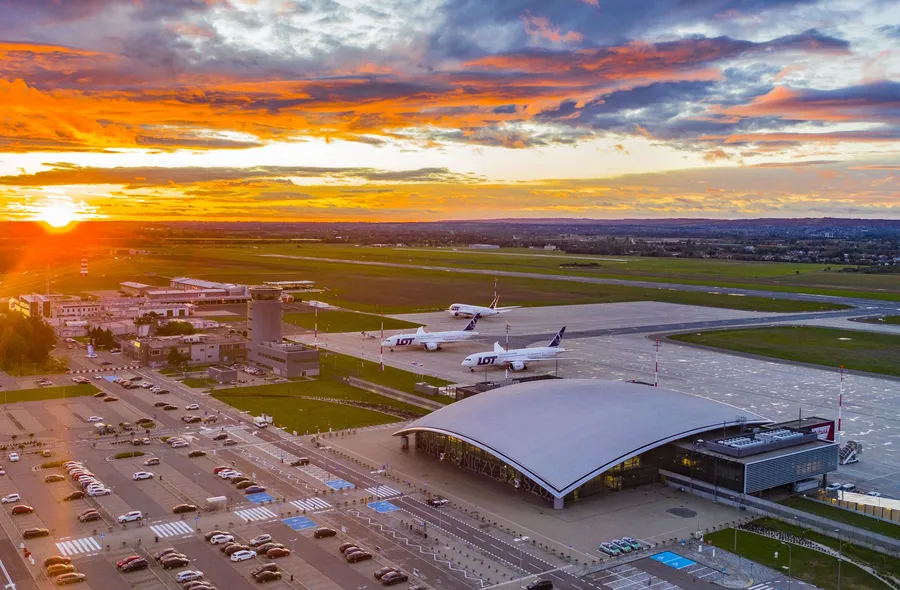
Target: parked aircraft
(470,311)
(516,359)
(432,340)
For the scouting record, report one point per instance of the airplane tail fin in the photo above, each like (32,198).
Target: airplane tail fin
(420,330)
(471,325)
(558,338)
(493,304)
(498,348)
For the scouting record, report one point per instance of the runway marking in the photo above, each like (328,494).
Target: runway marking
(11,584)
(171,529)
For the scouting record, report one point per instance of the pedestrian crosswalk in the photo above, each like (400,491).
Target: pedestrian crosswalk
(311,504)
(764,587)
(256,514)
(77,546)
(172,529)
(383,491)
(316,472)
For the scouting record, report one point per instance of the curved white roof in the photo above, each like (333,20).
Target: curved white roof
(564,432)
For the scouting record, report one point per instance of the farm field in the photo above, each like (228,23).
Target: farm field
(379,289)
(852,349)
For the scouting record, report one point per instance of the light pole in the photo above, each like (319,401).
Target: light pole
(790,572)
(840,557)
(517,540)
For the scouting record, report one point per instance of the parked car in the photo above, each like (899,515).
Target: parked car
(22,509)
(610,549)
(110,398)
(152,461)
(833,487)
(122,562)
(34,533)
(220,436)
(221,538)
(278,552)
(178,444)
(300,461)
(344,547)
(848,487)
(54,478)
(437,501)
(254,490)
(56,559)
(265,546)
(169,407)
(173,561)
(159,555)
(635,544)
(99,394)
(540,585)
(232,549)
(230,442)
(381,572)
(188,575)
(60,568)
(14,457)
(160,404)
(357,556)
(323,532)
(212,534)
(73,496)
(182,508)
(242,483)
(95,419)
(70,578)
(259,540)
(192,407)
(625,547)
(9,499)
(197,453)
(392,578)
(132,516)
(99,492)
(243,555)
(136,565)
(90,517)
(220,468)
(267,576)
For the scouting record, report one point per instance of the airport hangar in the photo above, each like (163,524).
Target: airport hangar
(565,439)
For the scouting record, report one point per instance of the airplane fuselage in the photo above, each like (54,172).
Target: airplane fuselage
(519,355)
(470,311)
(428,340)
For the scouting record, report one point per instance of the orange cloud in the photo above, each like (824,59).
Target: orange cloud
(539,26)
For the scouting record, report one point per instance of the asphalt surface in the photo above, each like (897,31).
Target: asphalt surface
(215,566)
(12,568)
(101,573)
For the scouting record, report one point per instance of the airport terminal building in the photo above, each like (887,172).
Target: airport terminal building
(565,439)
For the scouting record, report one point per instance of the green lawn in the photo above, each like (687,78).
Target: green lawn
(194,382)
(39,393)
(850,517)
(880,561)
(805,564)
(889,319)
(855,350)
(346,321)
(51,366)
(334,365)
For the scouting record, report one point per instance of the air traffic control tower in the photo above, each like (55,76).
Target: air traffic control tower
(264,314)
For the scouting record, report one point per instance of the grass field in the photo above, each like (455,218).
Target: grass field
(889,319)
(805,564)
(198,383)
(40,393)
(855,350)
(379,289)
(307,416)
(334,365)
(346,321)
(879,561)
(856,519)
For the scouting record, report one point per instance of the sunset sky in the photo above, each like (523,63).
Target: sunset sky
(448,109)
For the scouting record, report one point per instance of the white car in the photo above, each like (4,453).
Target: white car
(848,487)
(188,575)
(875,494)
(219,539)
(14,457)
(10,498)
(229,473)
(130,516)
(832,487)
(146,384)
(243,555)
(178,444)
(142,475)
(98,377)
(155,388)
(99,492)
(192,407)
(95,419)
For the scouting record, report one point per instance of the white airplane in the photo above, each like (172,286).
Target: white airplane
(516,359)
(433,340)
(470,311)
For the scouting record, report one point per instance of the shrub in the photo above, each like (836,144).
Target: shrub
(53,464)
(129,455)
(165,438)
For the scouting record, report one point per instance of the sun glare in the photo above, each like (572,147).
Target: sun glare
(57,214)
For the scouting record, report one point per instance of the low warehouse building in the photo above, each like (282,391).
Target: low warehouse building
(570,438)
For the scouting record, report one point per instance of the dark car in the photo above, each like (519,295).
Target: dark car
(300,461)
(267,576)
(173,561)
(105,363)
(54,477)
(324,532)
(261,549)
(235,548)
(266,567)
(228,545)
(182,508)
(60,568)
(220,436)
(122,562)
(169,407)
(380,573)
(356,556)
(162,392)
(161,554)
(135,565)
(152,461)
(212,534)
(160,404)
(191,419)
(196,585)
(540,585)
(437,501)
(197,454)
(57,559)
(347,546)
(22,509)
(392,578)
(99,394)
(254,489)
(243,482)
(35,532)
(90,517)
(110,398)
(230,442)
(70,578)
(278,552)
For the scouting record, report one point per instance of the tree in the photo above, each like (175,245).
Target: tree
(175,359)
(175,328)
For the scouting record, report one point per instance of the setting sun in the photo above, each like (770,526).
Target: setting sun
(57,213)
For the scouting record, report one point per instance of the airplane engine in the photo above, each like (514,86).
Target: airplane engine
(517,366)
(431,346)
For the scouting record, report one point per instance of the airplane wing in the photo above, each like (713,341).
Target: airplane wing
(506,309)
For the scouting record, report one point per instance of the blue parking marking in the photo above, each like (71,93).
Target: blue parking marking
(382,506)
(338,484)
(110,378)
(673,560)
(260,498)
(298,523)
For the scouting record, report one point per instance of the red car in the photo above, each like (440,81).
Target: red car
(128,559)
(221,468)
